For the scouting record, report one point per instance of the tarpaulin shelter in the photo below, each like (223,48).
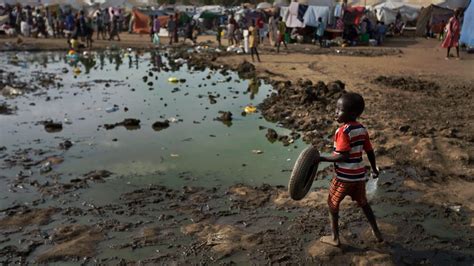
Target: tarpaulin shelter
(387,11)
(281,3)
(435,15)
(142,20)
(454,4)
(467,31)
(313,13)
(353,15)
(264,5)
(291,18)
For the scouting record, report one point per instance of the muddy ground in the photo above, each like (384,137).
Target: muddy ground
(418,114)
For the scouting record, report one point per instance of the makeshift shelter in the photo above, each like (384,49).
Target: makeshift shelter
(436,16)
(387,11)
(142,20)
(291,18)
(353,15)
(264,5)
(313,13)
(454,4)
(280,3)
(467,31)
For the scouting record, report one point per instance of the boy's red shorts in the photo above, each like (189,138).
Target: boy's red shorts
(340,189)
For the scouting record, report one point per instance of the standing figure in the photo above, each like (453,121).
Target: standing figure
(281,33)
(452,34)
(350,141)
(171,29)
(253,41)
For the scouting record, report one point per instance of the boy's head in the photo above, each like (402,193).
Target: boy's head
(349,107)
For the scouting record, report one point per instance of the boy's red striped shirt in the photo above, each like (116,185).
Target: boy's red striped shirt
(351,137)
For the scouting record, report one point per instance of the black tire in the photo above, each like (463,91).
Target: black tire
(303,173)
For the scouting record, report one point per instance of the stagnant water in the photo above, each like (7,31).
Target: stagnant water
(204,151)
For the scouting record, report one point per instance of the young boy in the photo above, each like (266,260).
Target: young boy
(350,140)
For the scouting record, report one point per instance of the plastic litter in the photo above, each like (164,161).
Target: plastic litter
(112,109)
(10,91)
(250,109)
(173,80)
(257,151)
(77,70)
(174,155)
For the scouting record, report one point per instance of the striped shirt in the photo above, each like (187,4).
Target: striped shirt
(351,137)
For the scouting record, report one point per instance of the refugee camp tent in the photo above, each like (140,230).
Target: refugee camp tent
(454,4)
(387,11)
(353,15)
(142,19)
(281,3)
(434,15)
(467,31)
(264,5)
(313,13)
(291,18)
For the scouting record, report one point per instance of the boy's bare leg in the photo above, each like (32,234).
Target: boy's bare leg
(332,240)
(373,223)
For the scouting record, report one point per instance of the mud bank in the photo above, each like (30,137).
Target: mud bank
(242,223)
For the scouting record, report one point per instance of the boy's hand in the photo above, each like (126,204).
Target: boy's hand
(375,173)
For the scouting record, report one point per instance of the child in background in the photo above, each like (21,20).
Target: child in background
(219,35)
(253,41)
(350,140)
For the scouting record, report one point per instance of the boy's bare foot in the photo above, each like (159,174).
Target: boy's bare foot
(378,236)
(330,241)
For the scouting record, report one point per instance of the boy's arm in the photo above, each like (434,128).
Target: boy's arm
(335,157)
(373,163)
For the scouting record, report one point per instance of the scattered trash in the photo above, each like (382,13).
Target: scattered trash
(10,91)
(456,208)
(250,109)
(174,155)
(76,71)
(45,168)
(257,151)
(112,109)
(173,80)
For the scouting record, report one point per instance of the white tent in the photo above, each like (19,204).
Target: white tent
(467,31)
(387,11)
(454,4)
(280,3)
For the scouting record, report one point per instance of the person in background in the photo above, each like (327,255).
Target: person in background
(131,23)
(339,23)
(156,30)
(114,24)
(219,35)
(171,29)
(428,32)
(99,22)
(281,33)
(260,24)
(452,34)
(253,41)
(176,28)
(320,29)
(273,29)
(381,31)
(443,30)
(106,18)
(151,20)
(231,27)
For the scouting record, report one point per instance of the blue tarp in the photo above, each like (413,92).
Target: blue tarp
(467,31)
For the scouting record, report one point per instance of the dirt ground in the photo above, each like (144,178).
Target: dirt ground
(419,115)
